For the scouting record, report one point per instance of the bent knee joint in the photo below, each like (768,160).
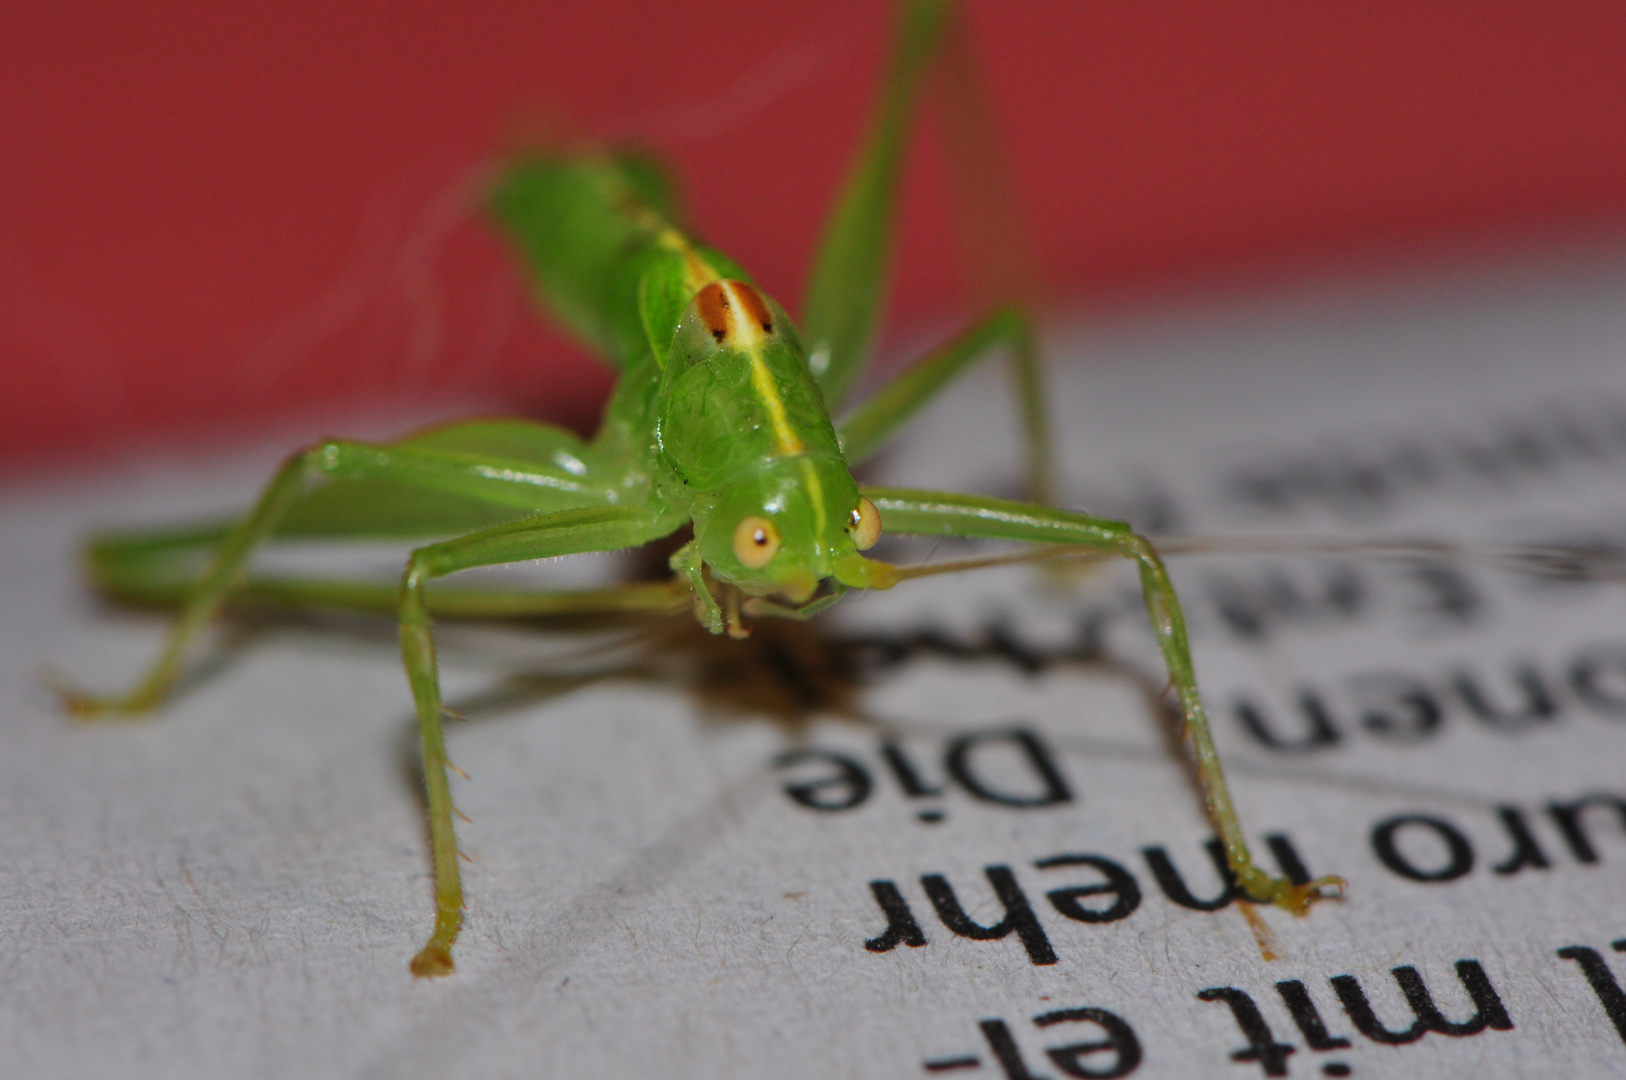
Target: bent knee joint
(335,457)
(1137,547)
(1013,323)
(324,456)
(415,577)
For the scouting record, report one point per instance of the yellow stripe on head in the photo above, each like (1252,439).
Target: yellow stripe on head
(815,493)
(737,316)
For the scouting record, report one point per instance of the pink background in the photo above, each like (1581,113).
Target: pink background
(214,219)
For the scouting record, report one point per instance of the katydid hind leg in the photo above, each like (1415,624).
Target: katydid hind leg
(868,428)
(848,283)
(995,239)
(151,567)
(846,288)
(931,513)
(550,469)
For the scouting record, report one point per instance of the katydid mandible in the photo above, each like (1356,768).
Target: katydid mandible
(721,422)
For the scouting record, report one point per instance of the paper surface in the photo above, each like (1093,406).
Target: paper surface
(675,866)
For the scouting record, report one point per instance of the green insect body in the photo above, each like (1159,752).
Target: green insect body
(721,421)
(736,428)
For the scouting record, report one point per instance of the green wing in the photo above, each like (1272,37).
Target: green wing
(392,509)
(586,227)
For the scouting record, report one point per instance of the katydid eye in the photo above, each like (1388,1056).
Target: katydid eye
(864,525)
(756,542)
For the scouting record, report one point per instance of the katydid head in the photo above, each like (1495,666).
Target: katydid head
(786,527)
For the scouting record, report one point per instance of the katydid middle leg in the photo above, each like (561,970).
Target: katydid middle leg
(159,570)
(933,513)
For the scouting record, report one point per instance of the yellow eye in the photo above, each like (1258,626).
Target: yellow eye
(865,525)
(756,541)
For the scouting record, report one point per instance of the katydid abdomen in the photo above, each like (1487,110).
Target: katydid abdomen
(599,231)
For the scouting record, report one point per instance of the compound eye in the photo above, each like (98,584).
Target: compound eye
(865,525)
(756,542)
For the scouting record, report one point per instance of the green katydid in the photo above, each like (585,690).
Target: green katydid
(721,422)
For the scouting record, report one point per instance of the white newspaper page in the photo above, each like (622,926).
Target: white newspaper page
(943,831)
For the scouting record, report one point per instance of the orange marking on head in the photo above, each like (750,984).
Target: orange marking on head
(734,312)
(754,307)
(712,305)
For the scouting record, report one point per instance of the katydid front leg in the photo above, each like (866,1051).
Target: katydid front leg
(566,532)
(931,513)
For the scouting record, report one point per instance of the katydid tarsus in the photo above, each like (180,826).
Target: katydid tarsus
(721,422)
